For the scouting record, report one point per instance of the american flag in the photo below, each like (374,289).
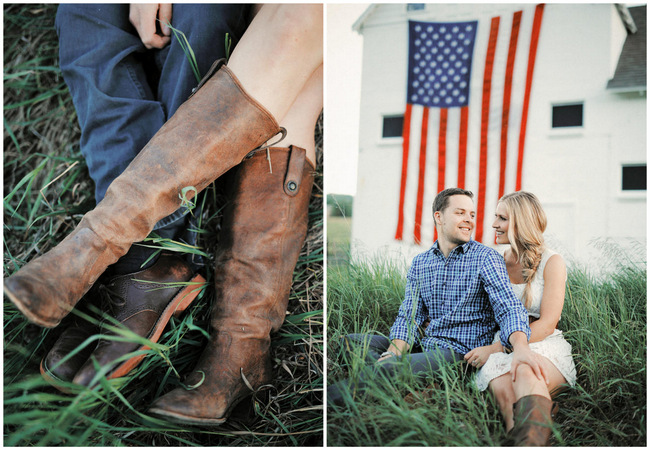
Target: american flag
(469,87)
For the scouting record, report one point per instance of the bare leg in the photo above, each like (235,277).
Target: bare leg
(528,384)
(507,393)
(503,390)
(278,54)
(303,114)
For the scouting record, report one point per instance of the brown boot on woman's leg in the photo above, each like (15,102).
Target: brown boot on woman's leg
(264,227)
(209,134)
(533,421)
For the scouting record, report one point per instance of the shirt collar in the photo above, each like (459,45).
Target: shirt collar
(460,249)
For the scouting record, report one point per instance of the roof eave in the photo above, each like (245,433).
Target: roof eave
(625,89)
(359,22)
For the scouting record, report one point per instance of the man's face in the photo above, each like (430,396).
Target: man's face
(457,221)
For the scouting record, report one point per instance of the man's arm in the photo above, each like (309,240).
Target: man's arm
(509,312)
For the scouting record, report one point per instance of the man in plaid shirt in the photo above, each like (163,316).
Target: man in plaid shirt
(459,292)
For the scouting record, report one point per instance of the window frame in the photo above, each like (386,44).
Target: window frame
(569,127)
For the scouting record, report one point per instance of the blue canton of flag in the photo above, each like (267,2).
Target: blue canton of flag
(440,63)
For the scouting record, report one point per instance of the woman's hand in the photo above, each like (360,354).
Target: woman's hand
(480,355)
(143,16)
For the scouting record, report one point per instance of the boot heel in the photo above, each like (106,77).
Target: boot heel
(188,294)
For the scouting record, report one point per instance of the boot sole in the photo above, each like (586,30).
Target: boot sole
(176,417)
(185,419)
(56,382)
(176,307)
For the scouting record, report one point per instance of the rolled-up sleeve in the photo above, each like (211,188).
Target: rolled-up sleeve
(509,312)
(411,313)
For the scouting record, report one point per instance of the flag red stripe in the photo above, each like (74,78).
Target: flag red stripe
(485,116)
(442,148)
(462,146)
(537,24)
(442,156)
(417,230)
(507,92)
(406,134)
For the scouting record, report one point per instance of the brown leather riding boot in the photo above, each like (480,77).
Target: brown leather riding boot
(533,422)
(143,303)
(264,227)
(209,134)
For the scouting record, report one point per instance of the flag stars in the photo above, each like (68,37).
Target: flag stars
(439,63)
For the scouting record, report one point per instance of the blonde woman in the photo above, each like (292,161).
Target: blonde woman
(537,276)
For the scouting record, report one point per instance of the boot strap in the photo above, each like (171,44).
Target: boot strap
(295,169)
(295,166)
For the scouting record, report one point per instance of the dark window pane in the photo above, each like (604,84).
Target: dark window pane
(634,178)
(392,126)
(567,116)
(414,6)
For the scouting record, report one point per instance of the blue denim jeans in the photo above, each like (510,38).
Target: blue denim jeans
(421,363)
(124,93)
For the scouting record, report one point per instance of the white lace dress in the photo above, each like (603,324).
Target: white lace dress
(554,347)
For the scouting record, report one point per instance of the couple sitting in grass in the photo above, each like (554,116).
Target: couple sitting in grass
(461,293)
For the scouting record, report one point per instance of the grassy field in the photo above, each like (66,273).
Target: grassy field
(46,191)
(604,319)
(338,240)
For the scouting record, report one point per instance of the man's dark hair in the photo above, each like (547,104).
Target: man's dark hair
(442,199)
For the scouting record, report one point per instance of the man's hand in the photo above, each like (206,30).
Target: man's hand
(397,347)
(479,356)
(522,354)
(143,16)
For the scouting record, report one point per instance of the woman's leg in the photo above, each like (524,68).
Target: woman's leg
(278,54)
(303,114)
(507,394)
(503,390)
(532,412)
(528,384)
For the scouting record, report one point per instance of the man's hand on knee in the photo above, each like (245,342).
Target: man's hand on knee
(143,16)
(522,354)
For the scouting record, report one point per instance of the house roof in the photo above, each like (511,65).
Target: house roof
(360,21)
(630,74)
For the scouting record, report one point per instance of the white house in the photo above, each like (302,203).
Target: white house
(584,146)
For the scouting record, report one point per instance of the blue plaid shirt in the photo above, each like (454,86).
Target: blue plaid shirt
(466,296)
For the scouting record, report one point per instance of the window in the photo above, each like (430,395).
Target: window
(392,126)
(414,6)
(634,177)
(567,116)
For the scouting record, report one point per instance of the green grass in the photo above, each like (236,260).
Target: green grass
(338,239)
(604,319)
(46,192)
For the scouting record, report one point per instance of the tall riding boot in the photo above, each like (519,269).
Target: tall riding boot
(533,421)
(264,228)
(209,134)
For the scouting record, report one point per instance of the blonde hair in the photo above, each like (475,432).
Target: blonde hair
(525,233)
